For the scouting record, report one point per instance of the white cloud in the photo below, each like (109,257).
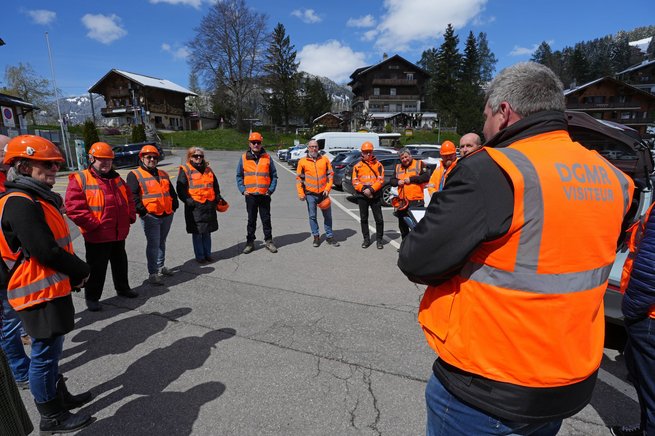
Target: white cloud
(308,16)
(179,53)
(194,3)
(522,51)
(370,35)
(330,59)
(42,16)
(103,28)
(365,21)
(408,21)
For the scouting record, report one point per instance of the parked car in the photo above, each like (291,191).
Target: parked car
(389,163)
(282,154)
(296,155)
(290,150)
(127,155)
(342,160)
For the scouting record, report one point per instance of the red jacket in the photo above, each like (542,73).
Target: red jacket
(117,215)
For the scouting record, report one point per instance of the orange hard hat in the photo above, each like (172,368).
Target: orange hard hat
(325,203)
(222,205)
(101,150)
(367,146)
(255,136)
(31,147)
(447,147)
(148,149)
(399,203)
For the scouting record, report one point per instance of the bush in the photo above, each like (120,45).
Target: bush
(138,133)
(388,128)
(90,134)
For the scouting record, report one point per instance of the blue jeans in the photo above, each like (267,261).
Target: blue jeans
(448,416)
(45,367)
(11,341)
(202,245)
(156,230)
(312,202)
(640,360)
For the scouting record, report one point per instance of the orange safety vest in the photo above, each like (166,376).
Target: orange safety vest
(200,185)
(256,174)
(95,198)
(368,174)
(410,191)
(314,176)
(31,282)
(155,194)
(536,293)
(438,178)
(635,234)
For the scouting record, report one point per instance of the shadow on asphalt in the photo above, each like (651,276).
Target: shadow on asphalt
(156,411)
(119,337)
(609,410)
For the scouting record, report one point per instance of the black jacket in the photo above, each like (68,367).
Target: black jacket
(199,217)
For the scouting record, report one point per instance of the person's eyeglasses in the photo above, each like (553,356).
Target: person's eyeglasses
(367,152)
(198,156)
(150,157)
(255,142)
(49,164)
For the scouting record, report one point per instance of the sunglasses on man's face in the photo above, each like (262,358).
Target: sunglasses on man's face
(150,157)
(198,156)
(255,142)
(49,164)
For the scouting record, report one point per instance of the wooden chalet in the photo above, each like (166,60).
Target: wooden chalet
(332,122)
(137,99)
(640,76)
(14,110)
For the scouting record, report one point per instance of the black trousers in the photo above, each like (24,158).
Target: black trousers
(402,224)
(261,203)
(376,207)
(98,255)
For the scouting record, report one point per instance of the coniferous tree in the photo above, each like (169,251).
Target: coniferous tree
(316,102)
(468,106)
(281,77)
(449,62)
(428,62)
(90,134)
(487,59)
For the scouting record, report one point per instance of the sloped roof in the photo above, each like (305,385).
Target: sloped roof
(611,79)
(363,70)
(636,67)
(10,100)
(327,114)
(146,81)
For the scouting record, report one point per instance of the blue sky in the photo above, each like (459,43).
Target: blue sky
(90,37)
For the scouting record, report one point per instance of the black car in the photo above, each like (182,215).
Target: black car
(127,155)
(342,160)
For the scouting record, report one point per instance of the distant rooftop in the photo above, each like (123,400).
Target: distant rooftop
(147,81)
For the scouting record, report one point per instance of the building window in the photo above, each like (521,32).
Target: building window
(392,91)
(376,91)
(410,76)
(394,67)
(626,115)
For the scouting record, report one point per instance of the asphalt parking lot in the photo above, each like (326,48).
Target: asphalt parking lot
(308,341)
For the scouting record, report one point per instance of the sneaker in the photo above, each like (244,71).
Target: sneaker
(379,245)
(627,430)
(23,385)
(366,243)
(270,246)
(210,259)
(201,261)
(332,242)
(155,279)
(93,306)
(248,248)
(317,241)
(128,293)
(26,340)
(166,272)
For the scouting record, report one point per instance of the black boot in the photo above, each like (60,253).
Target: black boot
(68,400)
(56,419)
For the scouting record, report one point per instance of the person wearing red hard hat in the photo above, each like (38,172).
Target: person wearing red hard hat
(40,270)
(448,160)
(257,179)
(155,200)
(100,203)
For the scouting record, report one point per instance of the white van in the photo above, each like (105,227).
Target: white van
(337,142)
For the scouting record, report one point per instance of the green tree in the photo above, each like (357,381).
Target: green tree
(316,102)
(22,81)
(468,105)
(428,62)
(449,63)
(578,67)
(281,77)
(138,133)
(487,59)
(90,134)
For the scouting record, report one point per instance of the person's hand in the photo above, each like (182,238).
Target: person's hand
(407,181)
(82,283)
(246,193)
(301,198)
(401,182)
(368,193)
(326,192)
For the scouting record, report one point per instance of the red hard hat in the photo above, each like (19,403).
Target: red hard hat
(399,203)
(325,203)
(447,147)
(31,147)
(367,146)
(149,149)
(255,136)
(101,150)
(222,205)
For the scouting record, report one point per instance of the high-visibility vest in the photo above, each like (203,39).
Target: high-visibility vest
(33,283)
(438,178)
(635,234)
(314,176)
(95,198)
(256,174)
(200,185)
(155,194)
(410,191)
(536,293)
(368,174)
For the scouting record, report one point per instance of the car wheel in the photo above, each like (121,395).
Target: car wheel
(386,196)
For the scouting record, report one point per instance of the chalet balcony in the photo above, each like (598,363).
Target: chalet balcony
(603,106)
(408,97)
(118,111)
(395,82)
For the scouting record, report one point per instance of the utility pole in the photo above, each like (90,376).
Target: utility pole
(64,139)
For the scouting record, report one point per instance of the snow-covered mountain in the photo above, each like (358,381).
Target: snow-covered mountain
(75,109)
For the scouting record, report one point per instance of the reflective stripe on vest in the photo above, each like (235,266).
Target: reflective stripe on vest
(410,191)
(314,175)
(200,185)
(95,198)
(33,283)
(256,174)
(155,194)
(367,175)
(537,292)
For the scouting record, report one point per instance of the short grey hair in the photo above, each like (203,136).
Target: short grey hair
(528,87)
(404,150)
